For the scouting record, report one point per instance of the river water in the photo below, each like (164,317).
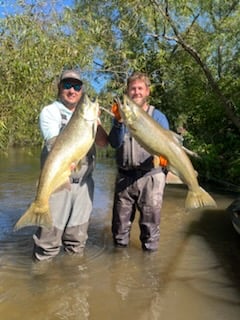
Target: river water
(194,275)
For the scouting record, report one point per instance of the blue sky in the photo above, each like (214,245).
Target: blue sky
(10,7)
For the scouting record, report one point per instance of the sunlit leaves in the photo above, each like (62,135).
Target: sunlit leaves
(110,39)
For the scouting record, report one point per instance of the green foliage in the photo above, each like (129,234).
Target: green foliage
(109,40)
(34,48)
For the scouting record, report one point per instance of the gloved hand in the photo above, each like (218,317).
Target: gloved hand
(160,161)
(163,161)
(115,111)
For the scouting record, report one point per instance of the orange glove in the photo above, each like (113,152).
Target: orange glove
(159,161)
(163,161)
(115,111)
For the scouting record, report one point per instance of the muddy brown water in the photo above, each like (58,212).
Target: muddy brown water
(194,275)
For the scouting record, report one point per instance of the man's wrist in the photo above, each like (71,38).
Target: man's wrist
(118,124)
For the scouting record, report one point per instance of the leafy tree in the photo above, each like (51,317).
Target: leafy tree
(190,49)
(35,46)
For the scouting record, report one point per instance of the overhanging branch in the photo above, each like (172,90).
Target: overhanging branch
(227,104)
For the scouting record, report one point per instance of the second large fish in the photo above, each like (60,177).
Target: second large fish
(159,141)
(70,147)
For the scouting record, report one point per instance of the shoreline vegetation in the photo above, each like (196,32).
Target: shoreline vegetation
(108,154)
(195,79)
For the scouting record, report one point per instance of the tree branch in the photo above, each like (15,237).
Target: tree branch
(227,104)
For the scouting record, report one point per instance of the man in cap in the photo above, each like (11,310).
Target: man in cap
(70,210)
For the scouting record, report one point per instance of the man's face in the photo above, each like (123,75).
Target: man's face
(138,92)
(70,92)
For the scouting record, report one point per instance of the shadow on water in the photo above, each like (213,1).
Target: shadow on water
(215,228)
(194,275)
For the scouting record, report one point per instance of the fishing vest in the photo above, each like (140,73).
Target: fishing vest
(131,155)
(88,161)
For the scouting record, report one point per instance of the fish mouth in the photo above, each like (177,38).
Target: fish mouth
(118,101)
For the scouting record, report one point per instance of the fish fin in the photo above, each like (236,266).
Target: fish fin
(66,185)
(173,179)
(172,170)
(35,216)
(199,199)
(177,138)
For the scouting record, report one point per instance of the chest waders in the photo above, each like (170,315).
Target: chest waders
(139,186)
(70,209)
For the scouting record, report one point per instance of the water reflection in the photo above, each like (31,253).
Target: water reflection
(194,275)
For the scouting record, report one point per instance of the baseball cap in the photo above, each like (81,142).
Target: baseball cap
(71,74)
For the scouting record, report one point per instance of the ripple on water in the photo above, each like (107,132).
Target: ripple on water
(191,264)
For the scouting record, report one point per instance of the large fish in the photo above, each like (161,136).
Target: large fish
(159,141)
(70,146)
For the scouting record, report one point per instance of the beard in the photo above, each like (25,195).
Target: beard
(140,101)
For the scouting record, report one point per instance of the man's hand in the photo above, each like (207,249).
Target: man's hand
(163,161)
(115,111)
(159,161)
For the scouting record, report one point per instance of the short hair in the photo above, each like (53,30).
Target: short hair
(139,76)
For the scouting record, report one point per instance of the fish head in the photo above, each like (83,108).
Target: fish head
(89,108)
(128,110)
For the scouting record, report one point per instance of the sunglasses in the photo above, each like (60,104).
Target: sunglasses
(69,85)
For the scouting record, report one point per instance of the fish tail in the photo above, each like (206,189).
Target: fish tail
(199,199)
(35,216)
